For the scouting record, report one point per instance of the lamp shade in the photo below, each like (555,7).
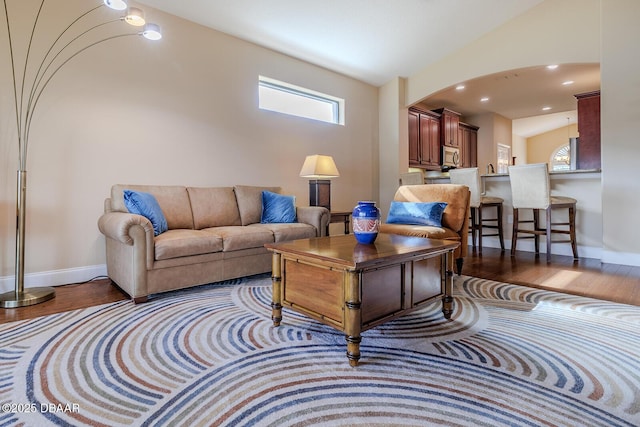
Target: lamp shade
(116,4)
(152,32)
(134,17)
(318,166)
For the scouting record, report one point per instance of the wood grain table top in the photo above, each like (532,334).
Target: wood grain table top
(345,251)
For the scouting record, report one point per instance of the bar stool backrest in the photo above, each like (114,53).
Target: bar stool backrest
(411,178)
(471,178)
(530,188)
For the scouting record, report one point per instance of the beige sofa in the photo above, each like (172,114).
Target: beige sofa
(455,219)
(214,234)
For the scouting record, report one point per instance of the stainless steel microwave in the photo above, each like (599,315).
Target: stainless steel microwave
(450,156)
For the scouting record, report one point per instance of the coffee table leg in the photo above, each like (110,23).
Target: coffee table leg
(353,318)
(447,285)
(276,293)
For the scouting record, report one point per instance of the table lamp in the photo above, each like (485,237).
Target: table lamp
(321,169)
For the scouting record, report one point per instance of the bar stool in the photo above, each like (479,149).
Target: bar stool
(471,178)
(531,189)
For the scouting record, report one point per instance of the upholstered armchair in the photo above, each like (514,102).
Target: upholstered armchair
(455,218)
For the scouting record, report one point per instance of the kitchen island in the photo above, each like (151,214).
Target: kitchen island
(583,185)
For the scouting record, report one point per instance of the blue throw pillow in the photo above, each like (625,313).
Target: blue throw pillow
(277,208)
(146,205)
(415,213)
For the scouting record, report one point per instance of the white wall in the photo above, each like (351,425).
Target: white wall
(179,111)
(620,115)
(519,149)
(486,143)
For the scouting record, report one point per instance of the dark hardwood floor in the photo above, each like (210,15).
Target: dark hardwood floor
(68,297)
(586,277)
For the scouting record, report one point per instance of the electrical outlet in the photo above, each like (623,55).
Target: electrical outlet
(509,219)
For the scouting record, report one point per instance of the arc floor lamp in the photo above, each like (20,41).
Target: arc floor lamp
(30,79)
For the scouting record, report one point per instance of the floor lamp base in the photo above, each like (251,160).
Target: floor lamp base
(30,296)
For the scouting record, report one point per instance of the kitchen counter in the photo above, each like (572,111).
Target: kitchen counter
(552,173)
(437,175)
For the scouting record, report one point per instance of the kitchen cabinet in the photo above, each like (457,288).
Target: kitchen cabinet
(449,123)
(588,147)
(424,139)
(468,140)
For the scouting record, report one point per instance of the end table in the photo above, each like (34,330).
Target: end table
(340,216)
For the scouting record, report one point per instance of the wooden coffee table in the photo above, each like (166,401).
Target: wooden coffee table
(354,287)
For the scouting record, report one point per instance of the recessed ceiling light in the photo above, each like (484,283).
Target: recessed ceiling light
(459,87)
(484,99)
(567,83)
(552,67)
(546,108)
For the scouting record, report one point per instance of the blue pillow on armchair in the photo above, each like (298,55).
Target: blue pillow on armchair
(277,208)
(140,203)
(416,213)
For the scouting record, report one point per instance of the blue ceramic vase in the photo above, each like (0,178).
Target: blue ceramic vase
(366,222)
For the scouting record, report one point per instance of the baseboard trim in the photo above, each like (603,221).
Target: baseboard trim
(55,277)
(622,258)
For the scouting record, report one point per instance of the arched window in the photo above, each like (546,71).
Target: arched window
(561,158)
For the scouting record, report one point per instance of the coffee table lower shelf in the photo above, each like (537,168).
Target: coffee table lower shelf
(353,287)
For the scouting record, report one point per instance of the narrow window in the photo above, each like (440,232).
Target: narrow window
(286,98)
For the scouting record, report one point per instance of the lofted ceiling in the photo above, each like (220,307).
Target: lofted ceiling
(377,40)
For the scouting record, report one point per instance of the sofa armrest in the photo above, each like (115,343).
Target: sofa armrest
(316,216)
(130,250)
(118,226)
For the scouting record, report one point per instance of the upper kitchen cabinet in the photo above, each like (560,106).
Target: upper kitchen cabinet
(424,139)
(588,148)
(468,139)
(449,122)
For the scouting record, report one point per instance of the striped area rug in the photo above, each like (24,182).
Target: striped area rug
(509,356)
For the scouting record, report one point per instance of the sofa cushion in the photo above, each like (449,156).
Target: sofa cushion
(183,242)
(213,207)
(141,203)
(285,232)
(277,208)
(241,237)
(249,200)
(173,200)
(417,213)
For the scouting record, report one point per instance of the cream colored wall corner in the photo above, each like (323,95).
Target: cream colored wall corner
(394,141)
(179,111)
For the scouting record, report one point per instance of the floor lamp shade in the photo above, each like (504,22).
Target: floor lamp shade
(320,169)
